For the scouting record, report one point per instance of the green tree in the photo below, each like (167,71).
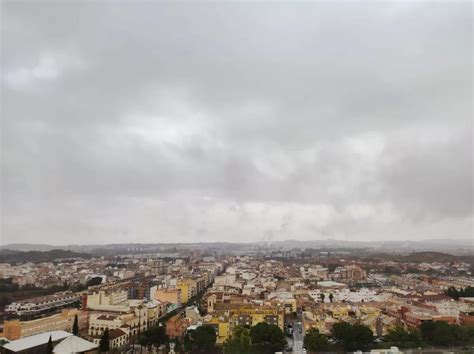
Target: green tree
(75,326)
(427,331)
(341,330)
(331,297)
(239,342)
(315,341)
(352,337)
(201,339)
(104,344)
(267,338)
(363,336)
(443,334)
(456,294)
(322,296)
(49,346)
(94,281)
(154,336)
(401,338)
(469,332)
(178,346)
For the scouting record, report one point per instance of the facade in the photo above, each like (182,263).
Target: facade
(118,337)
(107,298)
(466,318)
(226,318)
(135,319)
(16,329)
(42,304)
(172,296)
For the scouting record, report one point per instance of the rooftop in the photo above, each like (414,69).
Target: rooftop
(36,340)
(74,344)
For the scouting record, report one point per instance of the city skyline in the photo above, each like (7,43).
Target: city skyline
(235,122)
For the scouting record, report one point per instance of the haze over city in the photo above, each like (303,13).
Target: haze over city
(201,122)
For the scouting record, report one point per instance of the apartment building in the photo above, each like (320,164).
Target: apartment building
(107,298)
(42,304)
(16,329)
(228,316)
(118,337)
(171,295)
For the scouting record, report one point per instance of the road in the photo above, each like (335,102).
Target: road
(298,338)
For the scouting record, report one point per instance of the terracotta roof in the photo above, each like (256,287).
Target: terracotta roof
(107,317)
(116,333)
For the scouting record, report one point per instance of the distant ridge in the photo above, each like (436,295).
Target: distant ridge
(456,246)
(14,256)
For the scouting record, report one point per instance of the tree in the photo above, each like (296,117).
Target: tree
(401,338)
(427,331)
(200,339)
(341,331)
(456,294)
(315,341)
(331,297)
(75,326)
(442,334)
(49,346)
(178,346)
(238,342)
(104,344)
(322,296)
(153,337)
(94,281)
(363,336)
(267,338)
(352,337)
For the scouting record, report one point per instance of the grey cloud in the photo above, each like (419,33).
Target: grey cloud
(164,121)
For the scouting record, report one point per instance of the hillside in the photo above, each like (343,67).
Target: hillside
(11,256)
(420,257)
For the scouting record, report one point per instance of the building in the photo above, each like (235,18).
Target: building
(107,298)
(227,316)
(98,323)
(118,337)
(466,318)
(43,304)
(35,344)
(171,295)
(74,344)
(188,288)
(135,319)
(16,329)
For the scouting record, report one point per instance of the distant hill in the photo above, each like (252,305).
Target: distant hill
(453,246)
(29,247)
(420,257)
(13,256)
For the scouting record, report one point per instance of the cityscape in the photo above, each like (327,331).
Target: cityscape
(236,177)
(259,299)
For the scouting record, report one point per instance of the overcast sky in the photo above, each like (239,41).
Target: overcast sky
(165,122)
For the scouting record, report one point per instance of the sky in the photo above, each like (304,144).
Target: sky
(149,121)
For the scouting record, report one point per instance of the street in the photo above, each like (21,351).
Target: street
(298,338)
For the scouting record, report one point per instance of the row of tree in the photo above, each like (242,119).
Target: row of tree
(456,294)
(323,296)
(262,338)
(266,338)
(347,337)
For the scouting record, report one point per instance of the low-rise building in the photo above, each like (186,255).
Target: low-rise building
(16,329)
(43,304)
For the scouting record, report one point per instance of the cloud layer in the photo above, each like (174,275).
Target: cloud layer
(161,122)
